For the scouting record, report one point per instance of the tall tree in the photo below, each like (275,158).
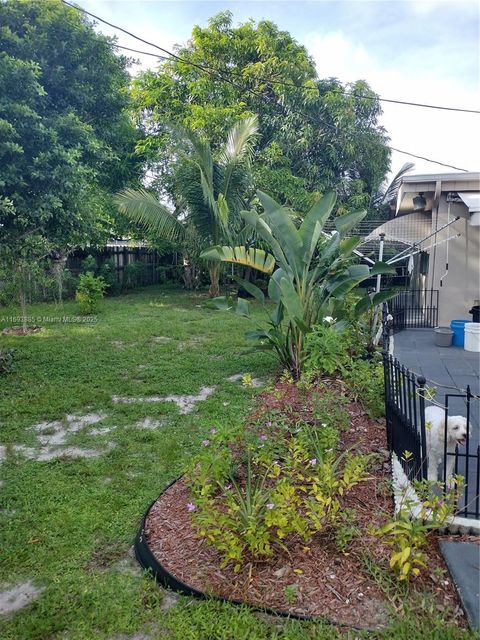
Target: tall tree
(67,141)
(314,134)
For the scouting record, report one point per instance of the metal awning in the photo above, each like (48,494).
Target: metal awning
(472,200)
(407,230)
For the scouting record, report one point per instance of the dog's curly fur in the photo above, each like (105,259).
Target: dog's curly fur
(435,432)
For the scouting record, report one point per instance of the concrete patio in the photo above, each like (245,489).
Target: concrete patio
(448,366)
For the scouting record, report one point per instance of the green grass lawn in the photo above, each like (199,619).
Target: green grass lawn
(67,524)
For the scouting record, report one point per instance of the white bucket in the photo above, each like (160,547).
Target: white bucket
(472,336)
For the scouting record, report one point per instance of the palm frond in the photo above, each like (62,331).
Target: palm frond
(144,209)
(392,189)
(239,141)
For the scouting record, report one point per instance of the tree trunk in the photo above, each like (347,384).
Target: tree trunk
(214,273)
(23,307)
(187,272)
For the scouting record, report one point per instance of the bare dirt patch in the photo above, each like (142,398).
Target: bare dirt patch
(185,404)
(19,331)
(18,596)
(150,424)
(52,438)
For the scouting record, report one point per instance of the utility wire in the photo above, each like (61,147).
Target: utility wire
(218,73)
(269,80)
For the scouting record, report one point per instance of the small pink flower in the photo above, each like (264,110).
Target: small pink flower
(213,430)
(263,437)
(191,506)
(270,505)
(205,443)
(269,423)
(313,462)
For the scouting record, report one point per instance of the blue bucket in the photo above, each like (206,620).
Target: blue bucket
(458,328)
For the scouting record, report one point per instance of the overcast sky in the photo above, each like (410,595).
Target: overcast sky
(413,51)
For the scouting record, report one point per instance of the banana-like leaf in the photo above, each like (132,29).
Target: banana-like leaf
(258,334)
(221,303)
(343,285)
(242,308)
(331,246)
(311,228)
(291,300)
(348,245)
(276,317)
(382,268)
(362,306)
(254,258)
(265,233)
(252,289)
(142,207)
(359,271)
(348,221)
(283,229)
(383,296)
(274,289)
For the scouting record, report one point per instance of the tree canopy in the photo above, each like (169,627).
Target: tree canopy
(315,134)
(66,139)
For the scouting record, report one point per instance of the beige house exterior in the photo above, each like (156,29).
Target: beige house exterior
(452,202)
(436,232)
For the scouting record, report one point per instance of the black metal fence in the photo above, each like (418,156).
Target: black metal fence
(406,395)
(414,308)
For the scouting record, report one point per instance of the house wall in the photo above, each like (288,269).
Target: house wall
(460,287)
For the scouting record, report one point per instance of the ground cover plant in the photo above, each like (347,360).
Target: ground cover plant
(92,428)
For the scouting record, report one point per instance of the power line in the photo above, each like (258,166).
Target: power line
(219,73)
(344,92)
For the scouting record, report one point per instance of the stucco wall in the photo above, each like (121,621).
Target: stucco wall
(461,286)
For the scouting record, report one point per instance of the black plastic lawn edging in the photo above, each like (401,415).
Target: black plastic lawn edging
(163,577)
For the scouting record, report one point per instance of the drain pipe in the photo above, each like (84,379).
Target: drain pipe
(380,258)
(436,203)
(446,249)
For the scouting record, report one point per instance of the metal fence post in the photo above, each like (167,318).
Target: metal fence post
(423,436)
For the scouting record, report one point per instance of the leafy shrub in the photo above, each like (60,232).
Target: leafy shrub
(326,350)
(90,291)
(408,535)
(329,409)
(89,264)
(296,493)
(364,378)
(108,272)
(6,360)
(133,274)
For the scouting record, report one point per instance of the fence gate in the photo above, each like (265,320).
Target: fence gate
(415,309)
(405,399)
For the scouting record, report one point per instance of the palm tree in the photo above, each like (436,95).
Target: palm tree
(211,190)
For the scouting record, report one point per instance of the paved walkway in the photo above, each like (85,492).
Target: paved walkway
(463,560)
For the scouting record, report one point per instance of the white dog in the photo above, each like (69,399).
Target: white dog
(435,432)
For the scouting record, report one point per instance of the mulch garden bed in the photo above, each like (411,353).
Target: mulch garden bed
(328,584)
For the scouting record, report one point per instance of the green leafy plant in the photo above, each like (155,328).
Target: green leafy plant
(364,378)
(345,530)
(291,593)
(271,498)
(310,270)
(90,291)
(407,530)
(326,350)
